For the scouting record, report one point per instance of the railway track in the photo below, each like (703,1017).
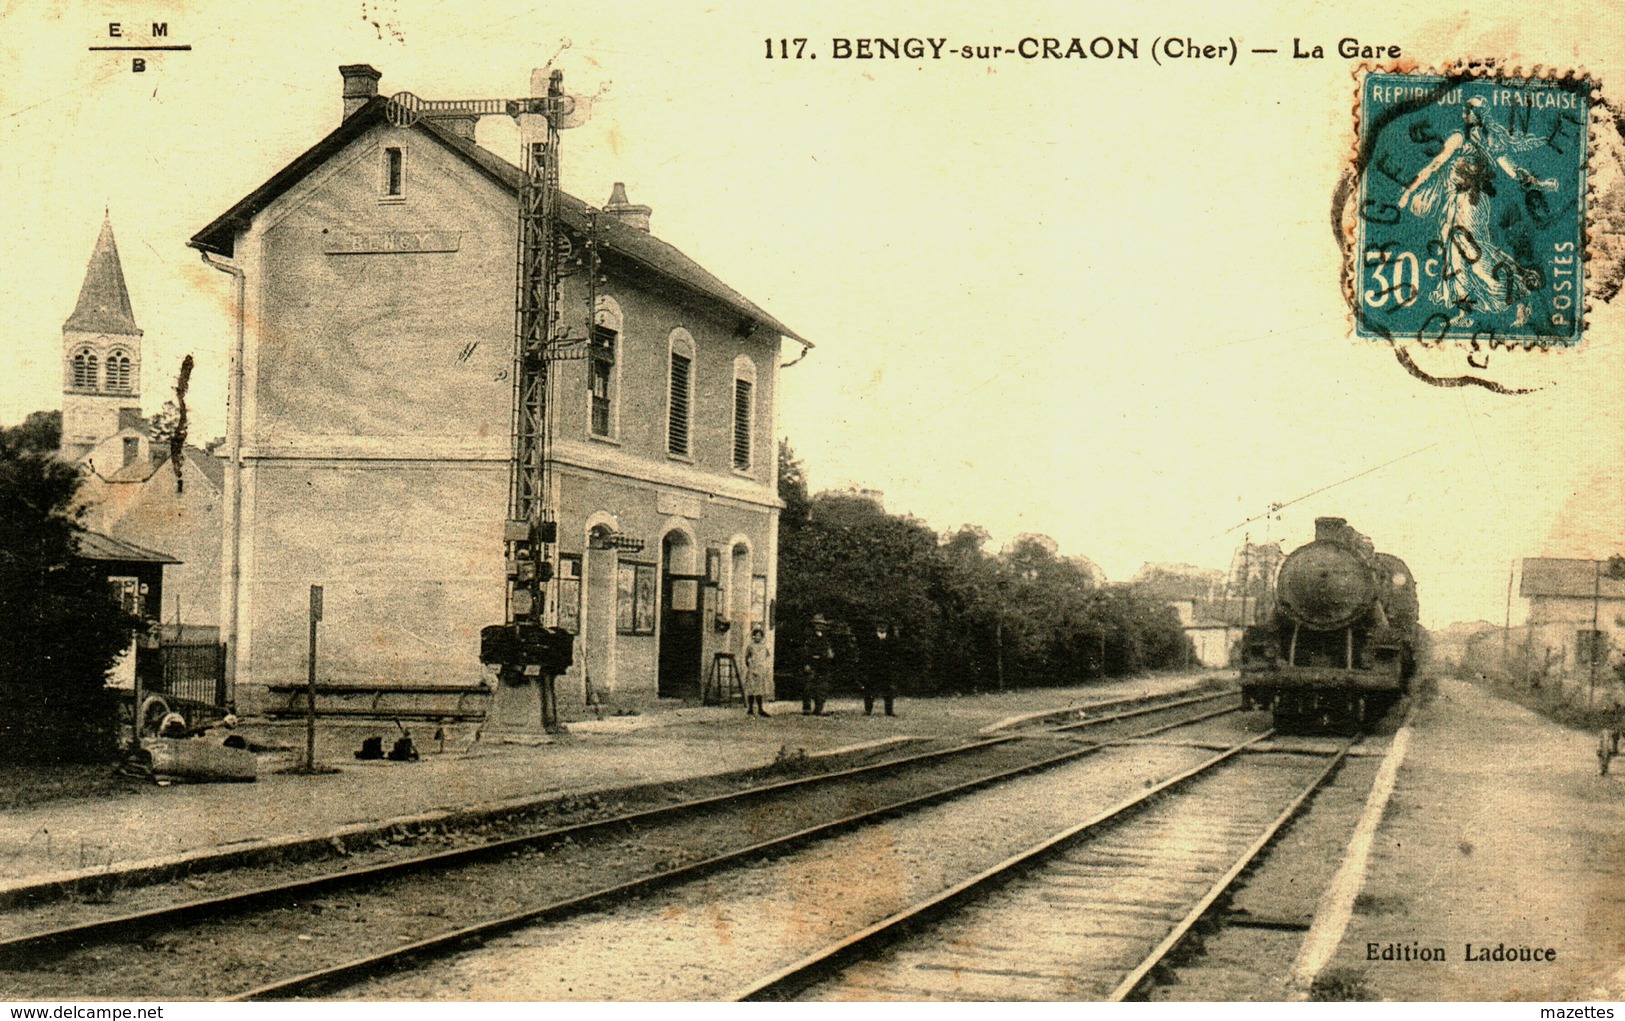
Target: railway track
(1089,913)
(179,942)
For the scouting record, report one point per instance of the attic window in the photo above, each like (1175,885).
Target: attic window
(394,173)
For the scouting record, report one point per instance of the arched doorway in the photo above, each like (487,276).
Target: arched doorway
(680,634)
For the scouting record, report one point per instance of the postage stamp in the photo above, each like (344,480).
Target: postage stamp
(1472,202)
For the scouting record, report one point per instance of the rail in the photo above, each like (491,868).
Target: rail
(789,981)
(135,924)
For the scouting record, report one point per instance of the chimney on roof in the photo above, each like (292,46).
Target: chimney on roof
(620,207)
(360,85)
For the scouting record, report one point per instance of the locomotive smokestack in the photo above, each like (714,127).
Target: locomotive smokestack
(1329,529)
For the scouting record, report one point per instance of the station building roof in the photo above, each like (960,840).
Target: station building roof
(637,246)
(1555,576)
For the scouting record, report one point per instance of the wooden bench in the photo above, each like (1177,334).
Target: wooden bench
(382,701)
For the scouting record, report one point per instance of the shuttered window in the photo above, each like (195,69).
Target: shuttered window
(601,377)
(118,373)
(742,407)
(84,371)
(681,384)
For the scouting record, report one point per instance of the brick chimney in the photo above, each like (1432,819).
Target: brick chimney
(360,85)
(620,207)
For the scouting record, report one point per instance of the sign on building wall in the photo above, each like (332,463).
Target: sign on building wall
(378,242)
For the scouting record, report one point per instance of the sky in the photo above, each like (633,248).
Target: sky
(1097,299)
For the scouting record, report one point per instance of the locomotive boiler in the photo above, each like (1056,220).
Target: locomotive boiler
(1338,648)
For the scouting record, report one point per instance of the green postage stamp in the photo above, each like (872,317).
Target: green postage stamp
(1471,209)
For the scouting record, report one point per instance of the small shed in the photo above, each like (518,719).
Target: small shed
(135,573)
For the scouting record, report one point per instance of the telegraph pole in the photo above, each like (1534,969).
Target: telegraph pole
(1591,640)
(1506,629)
(1246,572)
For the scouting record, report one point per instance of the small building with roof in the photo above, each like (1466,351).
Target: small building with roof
(135,575)
(1575,613)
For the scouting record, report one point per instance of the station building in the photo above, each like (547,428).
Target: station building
(1575,613)
(370,433)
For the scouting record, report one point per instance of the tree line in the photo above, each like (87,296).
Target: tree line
(962,619)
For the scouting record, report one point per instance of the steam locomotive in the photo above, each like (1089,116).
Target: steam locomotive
(1339,646)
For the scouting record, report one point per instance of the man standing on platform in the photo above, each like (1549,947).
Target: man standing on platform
(817,667)
(880,673)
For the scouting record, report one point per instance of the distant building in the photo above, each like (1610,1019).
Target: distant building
(101,356)
(373,450)
(1178,582)
(131,491)
(1211,605)
(1576,611)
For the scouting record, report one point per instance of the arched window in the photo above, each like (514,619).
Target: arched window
(601,361)
(392,174)
(680,406)
(118,372)
(84,370)
(744,411)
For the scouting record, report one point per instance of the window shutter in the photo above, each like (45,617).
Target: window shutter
(600,369)
(742,424)
(677,433)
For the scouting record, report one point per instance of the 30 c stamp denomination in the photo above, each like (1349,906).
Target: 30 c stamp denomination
(1471,209)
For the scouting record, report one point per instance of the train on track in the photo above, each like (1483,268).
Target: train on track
(1338,647)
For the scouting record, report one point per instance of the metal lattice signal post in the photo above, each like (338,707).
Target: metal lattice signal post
(524,644)
(533,527)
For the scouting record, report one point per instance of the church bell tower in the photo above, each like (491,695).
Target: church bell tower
(101,355)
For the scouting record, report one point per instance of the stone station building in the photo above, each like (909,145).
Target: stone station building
(370,437)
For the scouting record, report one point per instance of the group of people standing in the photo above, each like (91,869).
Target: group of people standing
(828,650)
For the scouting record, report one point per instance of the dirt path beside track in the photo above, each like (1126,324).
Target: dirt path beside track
(1500,832)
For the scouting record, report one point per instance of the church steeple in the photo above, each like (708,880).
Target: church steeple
(101,355)
(104,301)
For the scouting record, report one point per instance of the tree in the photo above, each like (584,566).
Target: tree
(969,583)
(63,628)
(792,489)
(40,433)
(965,620)
(170,425)
(851,562)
